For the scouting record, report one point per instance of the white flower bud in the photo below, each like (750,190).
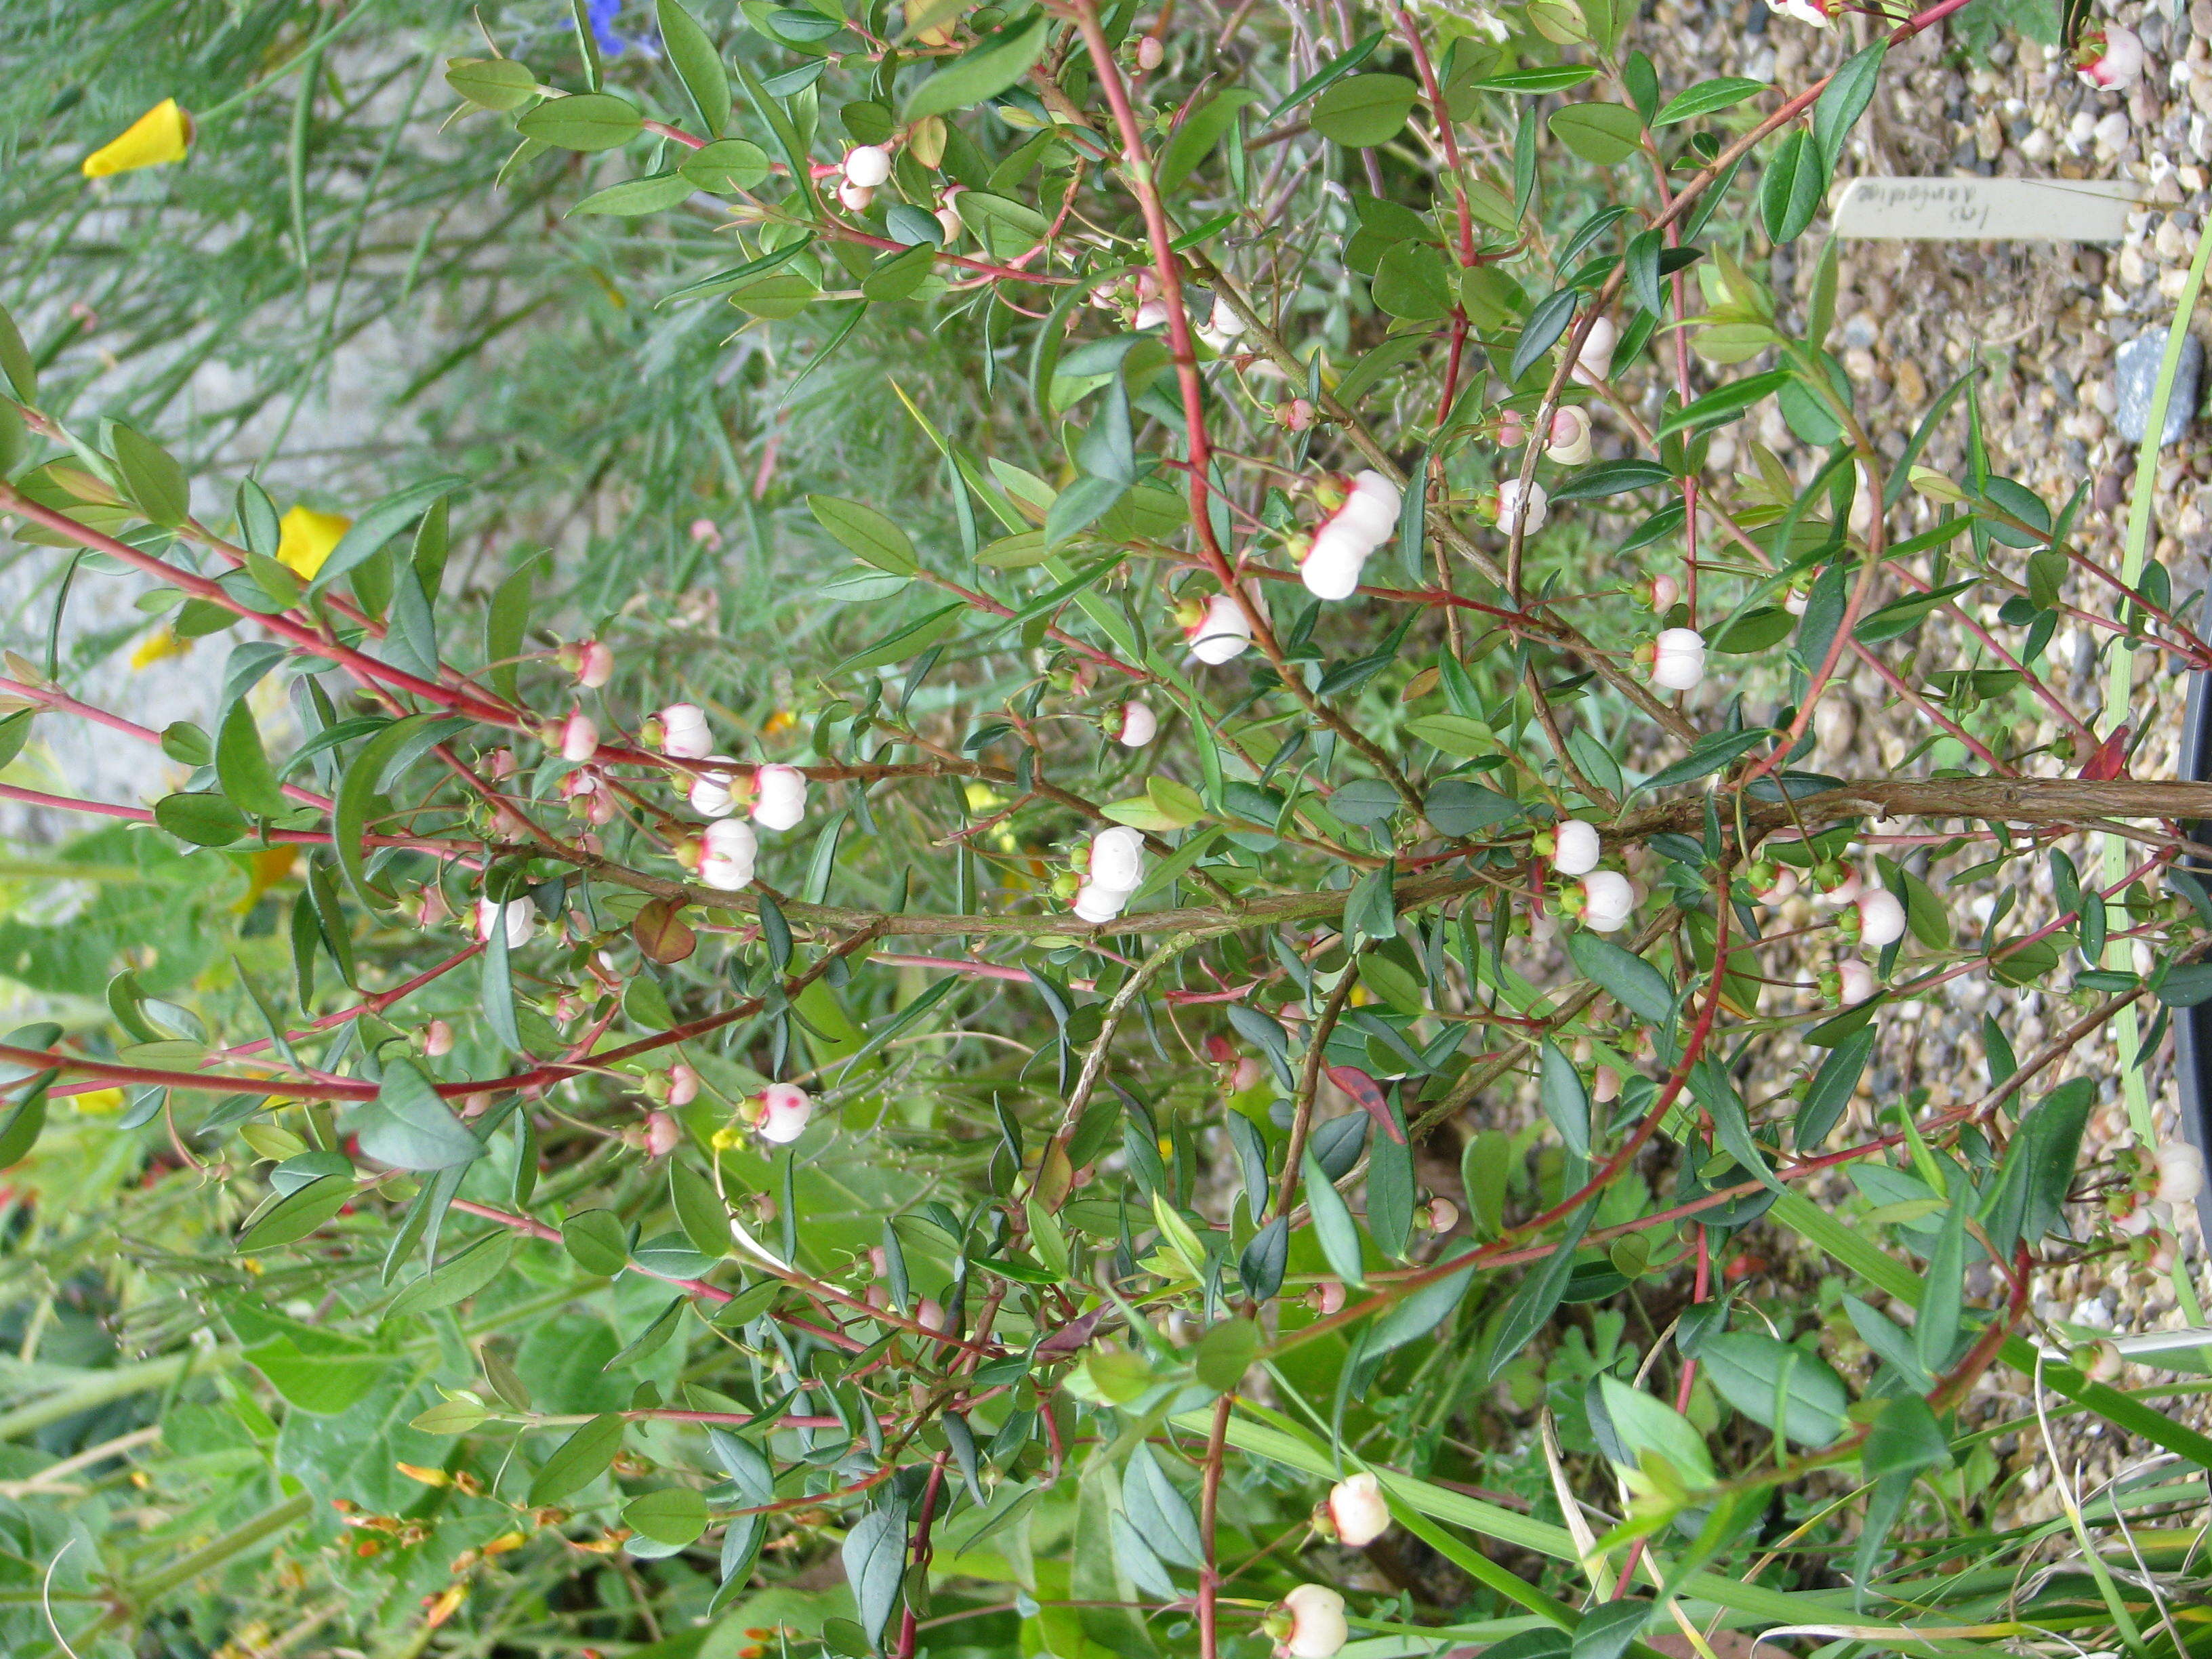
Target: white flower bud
(1855,981)
(683,726)
(1608,901)
(867,165)
(780,796)
(710,790)
(856,198)
(1331,568)
(2110,60)
(1099,905)
(1222,633)
(1510,509)
(515,915)
(1577,848)
(1881,918)
(1679,660)
(726,858)
(595,664)
(784,1110)
(1117,858)
(2180,1173)
(1358,1511)
(1318,1627)
(1595,362)
(1139,726)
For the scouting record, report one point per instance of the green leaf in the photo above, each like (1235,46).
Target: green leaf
(874,1558)
(1419,1314)
(1558,78)
(457,1280)
(298,1213)
(363,777)
(1753,1372)
(868,535)
(1457,735)
(1224,1354)
(16,363)
(2039,1166)
(726,167)
(1195,138)
(900,274)
(984,71)
(1709,754)
(1565,1101)
(596,1241)
(1644,1425)
(1546,324)
(581,1459)
(1333,1224)
(242,767)
(1904,1439)
(1843,101)
(691,53)
(1537,1295)
(699,1210)
(1606,134)
(152,478)
(589,121)
(672,1515)
(653,1338)
(1458,806)
(1724,403)
(1331,72)
(907,642)
(1629,980)
(1708,97)
(1936,1332)
(1365,110)
(1831,1088)
(203,818)
(1606,1629)
(378,525)
(407,1126)
(25,1123)
(495,83)
(1610,478)
(635,197)
(1790,194)
(1412,281)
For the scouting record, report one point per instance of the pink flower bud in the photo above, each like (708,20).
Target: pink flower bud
(2109,59)
(595,664)
(1881,918)
(728,851)
(437,1038)
(706,532)
(476,1105)
(1328,1297)
(1150,51)
(867,165)
(500,763)
(2180,1173)
(1570,444)
(1296,416)
(1665,594)
(855,198)
(683,732)
(1855,981)
(1678,661)
(784,1110)
(1136,726)
(580,736)
(1222,631)
(929,1314)
(1512,429)
(1152,314)
(1595,362)
(1244,1074)
(780,796)
(1357,1511)
(1605,1083)
(682,1085)
(663,1135)
(1440,1215)
(1576,848)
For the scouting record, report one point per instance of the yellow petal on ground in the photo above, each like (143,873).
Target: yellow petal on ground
(158,646)
(162,134)
(270,866)
(307,538)
(100,1100)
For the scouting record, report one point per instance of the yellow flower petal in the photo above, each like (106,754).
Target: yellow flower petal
(100,1100)
(270,866)
(308,537)
(162,134)
(157,646)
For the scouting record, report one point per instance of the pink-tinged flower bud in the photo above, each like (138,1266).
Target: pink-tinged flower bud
(1855,981)
(1571,444)
(437,1038)
(663,1135)
(867,165)
(855,198)
(711,795)
(1817,12)
(595,664)
(476,1104)
(784,1110)
(513,915)
(1529,510)
(1117,858)
(948,224)
(2180,1173)
(1512,429)
(706,532)
(1440,1215)
(1221,632)
(1244,1074)
(1309,1624)
(500,763)
(1881,918)
(1135,726)
(1595,361)
(1356,1511)
(1605,1084)
(2164,1248)
(683,1084)
(2110,58)
(780,796)
(1677,659)
(1221,327)
(728,853)
(683,732)
(1150,51)
(1296,416)
(1839,884)
(1608,900)
(1574,848)
(1665,594)
(1328,1297)
(1153,314)
(580,736)
(1771,884)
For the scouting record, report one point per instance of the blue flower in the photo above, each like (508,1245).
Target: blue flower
(603,15)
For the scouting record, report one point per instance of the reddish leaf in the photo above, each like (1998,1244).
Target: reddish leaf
(1362,1089)
(662,933)
(2110,759)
